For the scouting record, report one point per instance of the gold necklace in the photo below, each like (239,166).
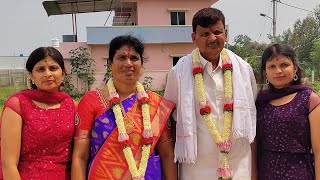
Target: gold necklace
(128,122)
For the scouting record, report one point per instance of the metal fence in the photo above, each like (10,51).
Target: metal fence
(13,77)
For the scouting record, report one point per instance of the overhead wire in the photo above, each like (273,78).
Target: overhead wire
(264,24)
(286,4)
(295,6)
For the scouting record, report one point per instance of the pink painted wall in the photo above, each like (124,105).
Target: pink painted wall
(159,54)
(157,65)
(159,61)
(155,12)
(98,53)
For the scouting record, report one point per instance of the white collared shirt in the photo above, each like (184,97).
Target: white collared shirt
(214,84)
(208,155)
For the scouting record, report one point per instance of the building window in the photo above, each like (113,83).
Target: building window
(175,60)
(178,18)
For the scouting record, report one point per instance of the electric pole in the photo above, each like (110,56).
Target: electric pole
(274,20)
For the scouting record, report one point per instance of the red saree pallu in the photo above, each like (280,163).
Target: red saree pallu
(109,162)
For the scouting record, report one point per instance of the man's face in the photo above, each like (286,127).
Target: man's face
(210,40)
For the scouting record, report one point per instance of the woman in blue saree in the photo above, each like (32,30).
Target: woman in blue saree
(98,152)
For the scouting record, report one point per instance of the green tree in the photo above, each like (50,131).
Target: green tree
(315,58)
(249,50)
(83,65)
(242,46)
(303,36)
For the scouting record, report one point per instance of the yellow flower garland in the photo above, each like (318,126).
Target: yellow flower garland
(137,173)
(217,137)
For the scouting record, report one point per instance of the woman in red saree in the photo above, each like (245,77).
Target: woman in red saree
(99,151)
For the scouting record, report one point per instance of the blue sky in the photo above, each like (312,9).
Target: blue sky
(26,26)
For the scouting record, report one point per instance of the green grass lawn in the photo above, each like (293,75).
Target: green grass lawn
(5,92)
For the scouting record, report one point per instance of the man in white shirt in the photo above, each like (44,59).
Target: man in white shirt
(199,151)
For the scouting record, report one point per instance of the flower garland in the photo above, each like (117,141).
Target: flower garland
(123,138)
(223,141)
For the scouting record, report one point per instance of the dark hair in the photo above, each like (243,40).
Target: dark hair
(274,51)
(206,17)
(125,40)
(40,54)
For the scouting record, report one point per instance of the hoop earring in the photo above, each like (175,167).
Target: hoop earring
(267,81)
(295,78)
(61,87)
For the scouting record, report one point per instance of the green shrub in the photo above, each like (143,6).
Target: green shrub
(2,101)
(161,93)
(316,87)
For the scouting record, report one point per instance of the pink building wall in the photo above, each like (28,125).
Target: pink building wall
(159,56)
(66,47)
(160,61)
(157,65)
(98,53)
(155,12)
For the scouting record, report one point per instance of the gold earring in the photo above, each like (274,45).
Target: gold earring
(61,87)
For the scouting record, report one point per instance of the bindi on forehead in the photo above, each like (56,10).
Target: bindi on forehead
(128,52)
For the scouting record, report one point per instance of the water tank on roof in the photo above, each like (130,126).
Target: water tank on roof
(55,43)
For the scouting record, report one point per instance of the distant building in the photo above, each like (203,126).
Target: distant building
(13,62)
(12,70)
(163,26)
